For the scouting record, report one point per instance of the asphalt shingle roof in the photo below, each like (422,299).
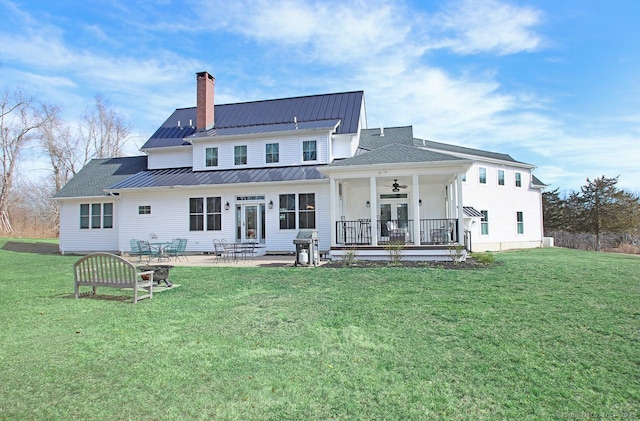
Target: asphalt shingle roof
(99,174)
(394,154)
(462,150)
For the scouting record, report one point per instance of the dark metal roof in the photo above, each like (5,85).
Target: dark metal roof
(471,212)
(188,177)
(99,174)
(345,107)
(270,128)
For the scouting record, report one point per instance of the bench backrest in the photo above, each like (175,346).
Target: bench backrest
(106,268)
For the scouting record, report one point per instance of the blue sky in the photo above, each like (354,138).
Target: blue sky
(553,83)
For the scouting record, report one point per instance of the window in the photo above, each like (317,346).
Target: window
(84,216)
(196,214)
(482,175)
(518,179)
(214,213)
(309,150)
(307,210)
(272,153)
(96,215)
(287,211)
(520,222)
(464,177)
(501,177)
(144,210)
(211,158)
(107,215)
(240,155)
(484,222)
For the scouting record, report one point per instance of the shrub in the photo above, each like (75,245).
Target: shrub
(484,258)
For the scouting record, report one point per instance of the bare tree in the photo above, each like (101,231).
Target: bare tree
(62,148)
(103,131)
(20,117)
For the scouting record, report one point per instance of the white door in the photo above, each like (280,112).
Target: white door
(250,222)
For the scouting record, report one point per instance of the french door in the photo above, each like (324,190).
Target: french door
(250,222)
(396,211)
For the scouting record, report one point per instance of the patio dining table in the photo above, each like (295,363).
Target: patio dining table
(161,247)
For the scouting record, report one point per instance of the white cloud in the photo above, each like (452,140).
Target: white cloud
(488,26)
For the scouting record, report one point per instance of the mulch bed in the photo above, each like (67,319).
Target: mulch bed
(468,264)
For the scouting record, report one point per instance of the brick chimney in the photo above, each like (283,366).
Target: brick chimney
(204,105)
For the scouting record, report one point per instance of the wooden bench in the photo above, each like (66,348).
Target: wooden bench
(108,270)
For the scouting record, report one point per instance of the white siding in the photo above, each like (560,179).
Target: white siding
(76,240)
(173,158)
(169,216)
(290,151)
(502,203)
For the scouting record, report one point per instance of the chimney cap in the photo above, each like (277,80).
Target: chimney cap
(205,74)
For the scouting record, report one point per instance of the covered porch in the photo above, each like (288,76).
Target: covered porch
(418,215)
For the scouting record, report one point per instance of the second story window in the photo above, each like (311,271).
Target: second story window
(518,179)
(309,150)
(211,159)
(501,177)
(240,155)
(482,175)
(272,153)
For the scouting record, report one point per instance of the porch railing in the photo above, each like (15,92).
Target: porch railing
(432,231)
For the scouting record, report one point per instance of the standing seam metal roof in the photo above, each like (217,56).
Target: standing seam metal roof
(345,106)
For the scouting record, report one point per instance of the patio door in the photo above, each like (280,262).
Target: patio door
(396,211)
(250,222)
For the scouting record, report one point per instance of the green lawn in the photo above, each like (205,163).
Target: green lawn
(546,334)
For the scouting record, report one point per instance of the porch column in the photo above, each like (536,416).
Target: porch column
(333,202)
(460,209)
(416,210)
(373,210)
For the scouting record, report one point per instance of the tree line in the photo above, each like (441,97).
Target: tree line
(29,125)
(598,213)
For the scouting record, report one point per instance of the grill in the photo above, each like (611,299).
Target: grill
(306,243)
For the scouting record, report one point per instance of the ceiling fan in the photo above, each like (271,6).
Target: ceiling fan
(396,187)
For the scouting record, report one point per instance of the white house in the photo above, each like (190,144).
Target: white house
(261,171)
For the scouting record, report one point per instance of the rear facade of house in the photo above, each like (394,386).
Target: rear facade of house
(262,171)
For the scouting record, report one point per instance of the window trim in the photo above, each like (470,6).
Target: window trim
(519,222)
(207,163)
(200,216)
(92,220)
(484,222)
(308,213)
(306,152)
(271,157)
(518,179)
(481,179)
(285,213)
(236,156)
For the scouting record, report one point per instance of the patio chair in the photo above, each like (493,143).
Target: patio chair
(182,248)
(248,249)
(147,250)
(135,249)
(172,249)
(219,251)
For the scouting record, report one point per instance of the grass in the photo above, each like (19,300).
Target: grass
(546,334)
